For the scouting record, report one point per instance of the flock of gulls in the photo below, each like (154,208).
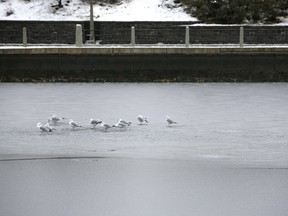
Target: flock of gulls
(54,120)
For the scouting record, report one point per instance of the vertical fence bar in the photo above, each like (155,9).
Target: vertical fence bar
(78,38)
(24,36)
(132,36)
(187,37)
(241,39)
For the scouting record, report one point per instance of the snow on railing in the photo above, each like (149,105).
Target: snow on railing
(132,36)
(78,37)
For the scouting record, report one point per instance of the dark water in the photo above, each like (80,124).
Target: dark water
(228,154)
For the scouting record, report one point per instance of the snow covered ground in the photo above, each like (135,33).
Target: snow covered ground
(128,10)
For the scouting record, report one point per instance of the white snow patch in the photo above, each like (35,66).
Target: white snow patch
(76,10)
(129,10)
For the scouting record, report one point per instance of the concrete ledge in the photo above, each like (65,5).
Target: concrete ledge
(142,50)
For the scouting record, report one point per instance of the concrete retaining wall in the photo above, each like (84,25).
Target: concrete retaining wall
(144,64)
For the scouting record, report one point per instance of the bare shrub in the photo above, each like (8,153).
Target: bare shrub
(9,12)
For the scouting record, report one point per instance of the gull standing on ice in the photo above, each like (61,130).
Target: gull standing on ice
(122,124)
(119,125)
(54,118)
(125,122)
(74,124)
(142,119)
(170,121)
(43,127)
(47,125)
(105,125)
(95,122)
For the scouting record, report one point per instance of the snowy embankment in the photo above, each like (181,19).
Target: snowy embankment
(128,10)
(74,10)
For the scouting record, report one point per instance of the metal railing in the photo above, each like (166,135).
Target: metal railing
(185,36)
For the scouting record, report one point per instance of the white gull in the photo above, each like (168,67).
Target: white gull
(54,118)
(43,128)
(95,122)
(74,124)
(47,125)
(170,121)
(105,125)
(142,119)
(122,124)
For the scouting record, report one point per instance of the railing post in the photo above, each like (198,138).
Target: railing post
(24,36)
(132,36)
(78,37)
(92,33)
(241,39)
(187,37)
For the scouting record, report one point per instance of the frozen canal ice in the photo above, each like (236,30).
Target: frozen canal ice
(242,125)
(227,154)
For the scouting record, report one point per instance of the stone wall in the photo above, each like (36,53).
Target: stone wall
(63,32)
(143,68)
(128,64)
